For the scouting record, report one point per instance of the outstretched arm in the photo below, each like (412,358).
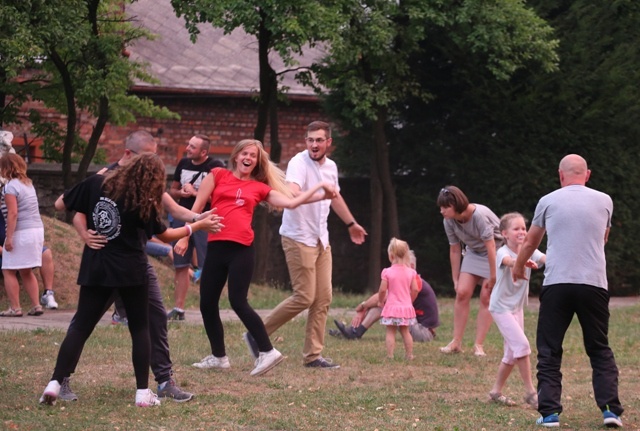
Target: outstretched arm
(204,192)
(531,243)
(356,232)
(279,200)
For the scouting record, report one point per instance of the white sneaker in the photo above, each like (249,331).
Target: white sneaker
(266,361)
(48,301)
(146,398)
(213,362)
(50,394)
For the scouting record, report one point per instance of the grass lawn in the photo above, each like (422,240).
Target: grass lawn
(368,392)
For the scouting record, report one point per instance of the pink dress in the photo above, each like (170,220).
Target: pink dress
(398,309)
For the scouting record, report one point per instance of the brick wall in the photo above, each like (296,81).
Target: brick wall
(226,120)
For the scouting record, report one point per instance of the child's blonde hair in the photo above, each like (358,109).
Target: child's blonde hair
(505,220)
(399,251)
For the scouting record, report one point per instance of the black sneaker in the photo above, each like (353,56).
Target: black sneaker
(346,331)
(322,363)
(175,314)
(251,345)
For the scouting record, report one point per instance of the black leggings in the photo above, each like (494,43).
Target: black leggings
(232,260)
(91,305)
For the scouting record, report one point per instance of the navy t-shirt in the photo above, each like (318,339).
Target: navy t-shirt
(426,307)
(122,262)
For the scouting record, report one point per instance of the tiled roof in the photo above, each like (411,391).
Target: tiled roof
(216,63)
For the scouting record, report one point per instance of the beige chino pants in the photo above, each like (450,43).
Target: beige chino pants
(310,271)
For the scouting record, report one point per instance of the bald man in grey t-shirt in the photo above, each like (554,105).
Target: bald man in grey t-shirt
(576,220)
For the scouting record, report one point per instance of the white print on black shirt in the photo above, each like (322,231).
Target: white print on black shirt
(106,218)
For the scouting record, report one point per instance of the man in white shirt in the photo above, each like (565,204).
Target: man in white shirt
(305,241)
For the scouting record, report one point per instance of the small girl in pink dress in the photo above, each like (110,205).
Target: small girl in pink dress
(399,281)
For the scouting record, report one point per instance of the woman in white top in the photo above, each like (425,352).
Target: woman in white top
(22,249)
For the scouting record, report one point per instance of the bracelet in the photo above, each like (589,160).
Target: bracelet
(189,230)
(351,224)
(195,218)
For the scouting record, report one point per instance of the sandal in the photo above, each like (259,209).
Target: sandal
(450,348)
(478,350)
(35,311)
(501,399)
(11,312)
(532,400)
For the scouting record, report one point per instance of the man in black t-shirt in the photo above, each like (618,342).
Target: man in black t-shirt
(186,181)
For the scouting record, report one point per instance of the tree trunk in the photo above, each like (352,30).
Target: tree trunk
(267,113)
(375,231)
(384,172)
(92,144)
(70,136)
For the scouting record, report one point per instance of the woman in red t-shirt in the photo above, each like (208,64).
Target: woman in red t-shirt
(234,193)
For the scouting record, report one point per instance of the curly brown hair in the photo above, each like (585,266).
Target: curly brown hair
(140,184)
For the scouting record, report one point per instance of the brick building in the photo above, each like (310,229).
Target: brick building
(211,84)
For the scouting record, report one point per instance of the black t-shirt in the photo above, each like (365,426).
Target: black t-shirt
(122,262)
(188,173)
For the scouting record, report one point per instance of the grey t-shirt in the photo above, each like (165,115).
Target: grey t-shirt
(28,210)
(482,226)
(576,219)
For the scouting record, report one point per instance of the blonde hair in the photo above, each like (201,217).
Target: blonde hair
(265,171)
(13,166)
(505,220)
(399,251)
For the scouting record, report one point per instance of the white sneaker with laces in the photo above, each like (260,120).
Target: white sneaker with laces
(146,398)
(48,301)
(213,362)
(50,394)
(266,361)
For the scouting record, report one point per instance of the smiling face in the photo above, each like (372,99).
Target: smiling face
(317,145)
(515,232)
(246,161)
(195,151)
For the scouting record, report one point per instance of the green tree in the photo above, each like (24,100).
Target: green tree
(283,27)
(501,141)
(370,73)
(74,49)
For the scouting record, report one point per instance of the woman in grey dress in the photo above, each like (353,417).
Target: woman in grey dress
(477,228)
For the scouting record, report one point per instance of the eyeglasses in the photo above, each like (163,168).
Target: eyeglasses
(318,140)
(444,191)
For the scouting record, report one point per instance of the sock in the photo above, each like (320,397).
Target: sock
(179,310)
(162,385)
